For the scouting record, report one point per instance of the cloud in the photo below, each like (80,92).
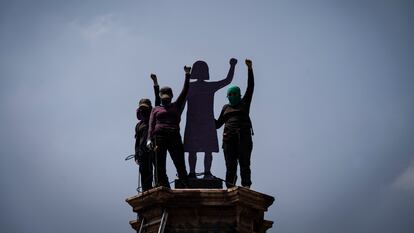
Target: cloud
(405,180)
(95,28)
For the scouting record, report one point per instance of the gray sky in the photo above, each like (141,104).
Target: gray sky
(332,109)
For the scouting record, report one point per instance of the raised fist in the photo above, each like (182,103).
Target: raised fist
(233,61)
(154,79)
(187,69)
(248,63)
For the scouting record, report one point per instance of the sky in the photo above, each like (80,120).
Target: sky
(332,111)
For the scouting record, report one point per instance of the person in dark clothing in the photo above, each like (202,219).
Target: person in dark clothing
(237,133)
(144,156)
(164,133)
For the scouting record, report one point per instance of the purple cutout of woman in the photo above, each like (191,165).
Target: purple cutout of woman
(200,130)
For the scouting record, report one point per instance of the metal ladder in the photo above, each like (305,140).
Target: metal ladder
(162,221)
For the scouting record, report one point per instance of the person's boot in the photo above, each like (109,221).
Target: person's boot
(184,183)
(208,175)
(192,175)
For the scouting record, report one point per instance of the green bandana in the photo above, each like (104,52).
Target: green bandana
(233,94)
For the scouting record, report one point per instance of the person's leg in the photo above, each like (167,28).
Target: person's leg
(160,161)
(208,159)
(192,161)
(246,147)
(176,149)
(151,168)
(145,168)
(230,155)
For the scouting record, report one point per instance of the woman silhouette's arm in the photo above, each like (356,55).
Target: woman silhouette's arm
(222,83)
(183,95)
(156,90)
(220,120)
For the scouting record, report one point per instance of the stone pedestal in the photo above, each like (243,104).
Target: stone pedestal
(213,183)
(203,210)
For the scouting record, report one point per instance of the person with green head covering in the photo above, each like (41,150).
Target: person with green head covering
(237,133)
(233,94)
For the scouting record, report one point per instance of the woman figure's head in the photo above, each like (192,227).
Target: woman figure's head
(199,71)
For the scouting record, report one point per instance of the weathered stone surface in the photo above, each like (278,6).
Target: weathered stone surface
(200,184)
(204,210)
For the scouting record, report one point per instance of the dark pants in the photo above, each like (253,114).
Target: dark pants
(238,148)
(145,168)
(169,141)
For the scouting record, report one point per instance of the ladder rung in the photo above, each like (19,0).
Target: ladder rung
(161,221)
(152,223)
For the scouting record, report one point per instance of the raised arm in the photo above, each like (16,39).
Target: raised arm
(156,90)
(222,83)
(247,98)
(183,95)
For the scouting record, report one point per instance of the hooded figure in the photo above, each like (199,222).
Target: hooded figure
(143,156)
(237,133)
(164,133)
(200,129)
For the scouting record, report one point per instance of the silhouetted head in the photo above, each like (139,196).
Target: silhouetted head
(199,71)
(166,95)
(144,109)
(233,95)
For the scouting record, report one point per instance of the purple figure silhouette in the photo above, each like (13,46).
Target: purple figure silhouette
(200,130)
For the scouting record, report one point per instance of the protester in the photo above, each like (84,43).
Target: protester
(144,156)
(237,133)
(164,133)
